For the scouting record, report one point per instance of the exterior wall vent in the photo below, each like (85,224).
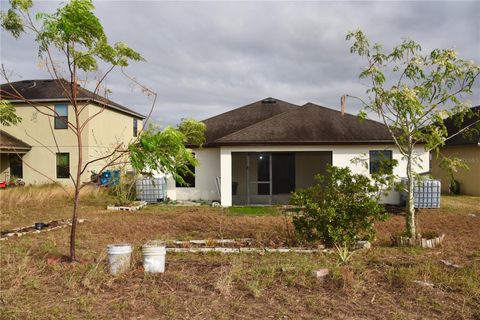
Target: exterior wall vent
(269,100)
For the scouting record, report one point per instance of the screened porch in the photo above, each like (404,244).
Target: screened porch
(268,178)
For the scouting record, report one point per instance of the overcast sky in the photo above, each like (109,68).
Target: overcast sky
(204,58)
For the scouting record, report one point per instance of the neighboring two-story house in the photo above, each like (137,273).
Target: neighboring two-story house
(42,149)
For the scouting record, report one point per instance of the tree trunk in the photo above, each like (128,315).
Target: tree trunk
(76,201)
(410,227)
(78,181)
(74,220)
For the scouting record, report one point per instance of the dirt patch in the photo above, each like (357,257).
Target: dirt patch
(381,283)
(462,236)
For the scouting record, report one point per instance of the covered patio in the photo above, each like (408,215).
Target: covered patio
(268,178)
(12,151)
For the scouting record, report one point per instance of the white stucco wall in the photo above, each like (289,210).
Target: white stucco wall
(205,174)
(216,162)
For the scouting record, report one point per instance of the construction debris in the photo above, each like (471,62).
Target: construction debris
(321,273)
(424,283)
(139,205)
(451,264)
(33,229)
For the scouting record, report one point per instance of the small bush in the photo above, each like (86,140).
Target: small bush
(124,191)
(340,208)
(343,277)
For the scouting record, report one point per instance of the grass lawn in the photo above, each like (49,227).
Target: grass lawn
(254,210)
(377,284)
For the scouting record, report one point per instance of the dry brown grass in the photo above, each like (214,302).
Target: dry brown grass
(13,197)
(25,205)
(377,284)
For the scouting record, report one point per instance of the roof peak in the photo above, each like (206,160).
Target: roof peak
(308,124)
(265,101)
(52,90)
(312,104)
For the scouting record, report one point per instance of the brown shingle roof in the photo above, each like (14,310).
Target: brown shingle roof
(309,124)
(469,138)
(237,119)
(9,142)
(52,90)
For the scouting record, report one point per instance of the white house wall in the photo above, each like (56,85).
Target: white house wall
(342,156)
(217,162)
(205,174)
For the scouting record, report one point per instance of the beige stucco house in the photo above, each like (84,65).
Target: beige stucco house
(259,153)
(42,149)
(465,147)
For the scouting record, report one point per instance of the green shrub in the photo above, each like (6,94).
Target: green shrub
(340,208)
(124,190)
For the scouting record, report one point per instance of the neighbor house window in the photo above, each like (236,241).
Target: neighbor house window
(63,165)
(61,116)
(188,177)
(16,166)
(381,161)
(135,127)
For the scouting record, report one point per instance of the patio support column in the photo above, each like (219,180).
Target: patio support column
(225,177)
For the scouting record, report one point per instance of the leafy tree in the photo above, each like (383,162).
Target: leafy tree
(72,41)
(193,131)
(164,150)
(8,117)
(339,209)
(413,93)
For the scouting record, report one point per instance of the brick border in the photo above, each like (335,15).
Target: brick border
(128,208)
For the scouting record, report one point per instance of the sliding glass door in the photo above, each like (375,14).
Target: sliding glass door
(264,178)
(269,176)
(283,173)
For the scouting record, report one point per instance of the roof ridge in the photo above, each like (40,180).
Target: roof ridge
(345,114)
(249,105)
(272,130)
(257,123)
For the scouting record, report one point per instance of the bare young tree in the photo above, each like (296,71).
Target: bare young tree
(72,43)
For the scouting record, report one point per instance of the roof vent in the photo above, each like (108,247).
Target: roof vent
(269,100)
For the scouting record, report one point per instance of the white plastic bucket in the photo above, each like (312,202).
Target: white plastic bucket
(154,256)
(119,257)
